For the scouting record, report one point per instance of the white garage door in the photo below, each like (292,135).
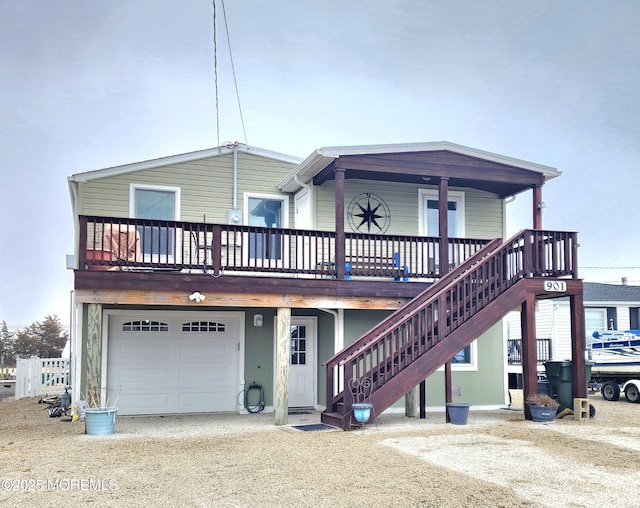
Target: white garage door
(161,363)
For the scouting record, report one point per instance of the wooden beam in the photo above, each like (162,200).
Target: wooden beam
(94,355)
(443,224)
(283,355)
(411,402)
(537,207)
(181,298)
(578,347)
(340,236)
(529,350)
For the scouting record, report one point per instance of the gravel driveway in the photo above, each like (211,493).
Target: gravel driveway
(497,459)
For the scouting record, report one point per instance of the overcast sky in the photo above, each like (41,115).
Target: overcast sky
(91,84)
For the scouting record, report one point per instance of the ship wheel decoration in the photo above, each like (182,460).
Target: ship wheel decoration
(368,213)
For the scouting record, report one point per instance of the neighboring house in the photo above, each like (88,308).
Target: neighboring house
(199,274)
(606,307)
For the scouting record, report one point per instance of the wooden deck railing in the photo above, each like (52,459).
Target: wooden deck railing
(394,344)
(112,243)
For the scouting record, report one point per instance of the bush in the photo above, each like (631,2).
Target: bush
(542,400)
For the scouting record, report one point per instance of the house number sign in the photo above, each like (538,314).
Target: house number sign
(555,286)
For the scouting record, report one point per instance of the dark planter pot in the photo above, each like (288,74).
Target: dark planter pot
(542,413)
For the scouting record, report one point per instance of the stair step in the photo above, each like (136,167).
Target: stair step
(334,419)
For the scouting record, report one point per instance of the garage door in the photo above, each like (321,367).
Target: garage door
(161,363)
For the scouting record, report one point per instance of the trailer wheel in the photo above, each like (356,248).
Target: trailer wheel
(632,394)
(610,391)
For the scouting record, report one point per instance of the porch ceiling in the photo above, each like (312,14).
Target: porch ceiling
(426,168)
(424,164)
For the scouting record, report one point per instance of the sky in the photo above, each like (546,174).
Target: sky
(90,84)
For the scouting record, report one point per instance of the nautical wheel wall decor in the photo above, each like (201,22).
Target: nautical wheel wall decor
(368,213)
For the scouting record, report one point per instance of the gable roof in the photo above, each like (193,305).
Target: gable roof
(417,163)
(609,293)
(88,176)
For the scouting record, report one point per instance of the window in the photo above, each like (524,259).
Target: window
(268,212)
(145,325)
(298,345)
(203,326)
(429,213)
(154,202)
(595,320)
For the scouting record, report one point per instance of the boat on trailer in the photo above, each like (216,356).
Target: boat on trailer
(615,364)
(615,350)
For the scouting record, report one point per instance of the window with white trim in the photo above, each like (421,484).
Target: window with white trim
(155,202)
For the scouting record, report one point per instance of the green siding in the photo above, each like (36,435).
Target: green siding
(483,210)
(206,186)
(482,387)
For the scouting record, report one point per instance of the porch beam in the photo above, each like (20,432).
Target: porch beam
(139,297)
(477,170)
(283,355)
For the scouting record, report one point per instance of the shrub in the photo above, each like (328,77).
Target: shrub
(543,400)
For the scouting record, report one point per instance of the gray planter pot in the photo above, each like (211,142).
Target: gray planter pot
(542,413)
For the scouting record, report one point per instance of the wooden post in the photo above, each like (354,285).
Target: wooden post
(443,224)
(537,207)
(340,237)
(529,350)
(283,358)
(578,347)
(94,354)
(411,403)
(423,399)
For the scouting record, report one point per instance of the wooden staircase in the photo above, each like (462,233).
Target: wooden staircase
(416,340)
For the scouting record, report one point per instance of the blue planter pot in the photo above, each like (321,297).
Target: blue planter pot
(362,412)
(100,421)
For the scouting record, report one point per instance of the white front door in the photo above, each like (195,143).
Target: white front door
(302,367)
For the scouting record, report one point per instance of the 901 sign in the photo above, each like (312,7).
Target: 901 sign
(555,286)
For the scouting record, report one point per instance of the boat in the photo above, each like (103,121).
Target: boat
(615,351)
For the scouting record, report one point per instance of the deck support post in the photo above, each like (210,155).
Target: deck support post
(578,347)
(94,354)
(411,403)
(283,356)
(529,350)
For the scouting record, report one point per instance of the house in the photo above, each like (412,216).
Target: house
(200,275)
(606,307)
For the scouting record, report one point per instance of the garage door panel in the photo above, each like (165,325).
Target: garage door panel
(130,351)
(140,378)
(206,350)
(175,370)
(143,403)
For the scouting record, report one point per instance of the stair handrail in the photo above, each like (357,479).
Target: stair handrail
(437,286)
(528,264)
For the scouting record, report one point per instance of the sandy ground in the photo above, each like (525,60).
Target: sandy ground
(497,459)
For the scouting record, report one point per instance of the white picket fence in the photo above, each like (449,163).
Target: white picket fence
(41,376)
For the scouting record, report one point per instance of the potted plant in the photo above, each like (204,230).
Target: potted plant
(542,407)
